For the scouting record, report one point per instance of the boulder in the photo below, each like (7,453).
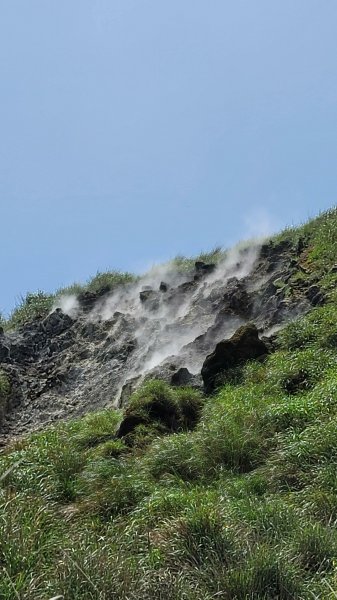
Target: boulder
(146,294)
(186,287)
(163,286)
(127,390)
(88,299)
(149,298)
(181,377)
(204,268)
(244,345)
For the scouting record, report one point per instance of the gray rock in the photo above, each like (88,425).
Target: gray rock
(242,346)
(57,322)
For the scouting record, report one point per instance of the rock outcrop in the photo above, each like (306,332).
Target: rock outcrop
(163,326)
(244,345)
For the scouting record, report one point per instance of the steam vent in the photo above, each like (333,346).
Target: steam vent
(94,349)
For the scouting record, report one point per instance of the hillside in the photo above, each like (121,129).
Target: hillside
(174,436)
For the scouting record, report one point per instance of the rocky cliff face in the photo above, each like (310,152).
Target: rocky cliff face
(92,351)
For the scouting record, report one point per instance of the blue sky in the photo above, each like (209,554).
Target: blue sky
(134,130)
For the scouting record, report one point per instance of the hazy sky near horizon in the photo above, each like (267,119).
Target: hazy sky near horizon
(134,130)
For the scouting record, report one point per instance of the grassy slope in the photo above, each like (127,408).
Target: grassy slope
(243,506)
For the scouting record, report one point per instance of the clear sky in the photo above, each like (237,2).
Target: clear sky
(134,130)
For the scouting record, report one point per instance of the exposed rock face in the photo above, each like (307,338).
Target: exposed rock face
(237,299)
(242,346)
(315,295)
(57,322)
(163,327)
(182,377)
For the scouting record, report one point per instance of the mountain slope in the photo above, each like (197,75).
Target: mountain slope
(93,349)
(180,494)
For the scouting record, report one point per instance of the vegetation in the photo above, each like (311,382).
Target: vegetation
(37,305)
(232,496)
(182,263)
(242,506)
(320,236)
(30,307)
(157,409)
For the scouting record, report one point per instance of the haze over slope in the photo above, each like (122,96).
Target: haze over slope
(222,486)
(95,347)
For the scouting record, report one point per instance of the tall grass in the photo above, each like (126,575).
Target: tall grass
(233,496)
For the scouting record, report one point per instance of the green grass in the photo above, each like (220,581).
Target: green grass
(108,280)
(232,496)
(37,305)
(182,263)
(320,237)
(156,408)
(238,502)
(30,307)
